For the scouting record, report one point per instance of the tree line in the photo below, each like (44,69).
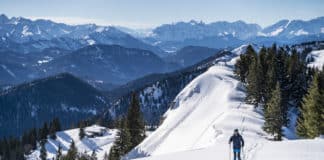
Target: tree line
(14,148)
(277,79)
(131,133)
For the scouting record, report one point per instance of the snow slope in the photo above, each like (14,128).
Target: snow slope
(101,143)
(203,118)
(286,150)
(318,57)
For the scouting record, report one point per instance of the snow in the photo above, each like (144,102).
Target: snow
(33,113)
(65,31)
(289,21)
(25,32)
(42,61)
(91,42)
(45,60)
(196,120)
(276,32)
(8,70)
(242,49)
(101,144)
(67,108)
(38,30)
(301,32)
(294,150)
(100,29)
(203,118)
(318,57)
(262,34)
(154,91)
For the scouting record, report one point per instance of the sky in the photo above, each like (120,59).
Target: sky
(151,13)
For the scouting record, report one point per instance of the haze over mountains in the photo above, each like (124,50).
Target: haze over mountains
(109,57)
(228,34)
(42,34)
(38,48)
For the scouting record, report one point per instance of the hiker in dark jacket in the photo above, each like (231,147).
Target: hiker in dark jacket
(238,142)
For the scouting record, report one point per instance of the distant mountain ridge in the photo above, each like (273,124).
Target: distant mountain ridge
(173,36)
(25,34)
(101,65)
(41,34)
(63,96)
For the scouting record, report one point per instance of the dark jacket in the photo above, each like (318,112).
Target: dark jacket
(237,140)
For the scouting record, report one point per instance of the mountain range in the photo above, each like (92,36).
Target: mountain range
(32,49)
(26,34)
(226,34)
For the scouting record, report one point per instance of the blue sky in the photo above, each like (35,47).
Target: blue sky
(150,13)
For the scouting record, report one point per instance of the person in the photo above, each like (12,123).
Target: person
(238,143)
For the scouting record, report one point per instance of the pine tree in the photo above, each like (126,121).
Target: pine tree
(54,127)
(271,78)
(122,144)
(243,64)
(321,99)
(93,155)
(309,121)
(81,133)
(136,124)
(106,157)
(59,153)
(43,152)
(262,72)
(113,153)
(33,138)
(72,152)
(281,71)
(254,86)
(273,122)
(43,132)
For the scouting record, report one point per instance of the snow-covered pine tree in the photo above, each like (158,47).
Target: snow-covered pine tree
(273,122)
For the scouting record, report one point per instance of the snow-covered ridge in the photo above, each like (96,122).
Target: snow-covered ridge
(99,139)
(205,113)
